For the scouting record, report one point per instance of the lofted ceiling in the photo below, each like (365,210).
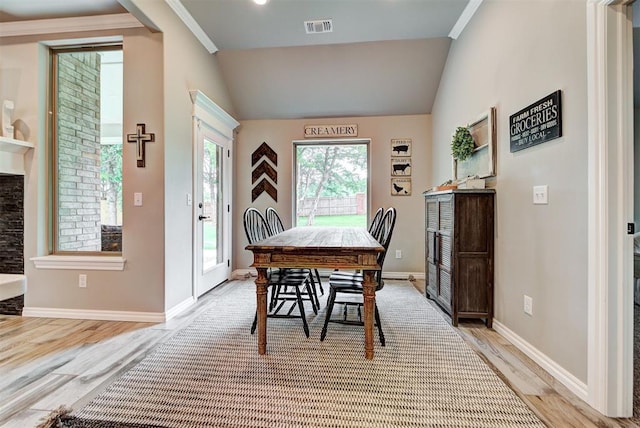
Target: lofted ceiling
(383,57)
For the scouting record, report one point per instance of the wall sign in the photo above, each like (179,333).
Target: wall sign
(538,123)
(263,153)
(330,131)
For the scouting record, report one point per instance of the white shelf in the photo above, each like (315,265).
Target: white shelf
(11,145)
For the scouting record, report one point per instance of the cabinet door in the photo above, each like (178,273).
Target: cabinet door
(432,224)
(444,245)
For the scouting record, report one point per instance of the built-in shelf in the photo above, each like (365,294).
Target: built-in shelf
(11,145)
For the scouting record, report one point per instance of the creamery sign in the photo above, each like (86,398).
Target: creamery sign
(330,131)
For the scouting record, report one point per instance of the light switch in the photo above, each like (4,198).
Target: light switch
(189,199)
(137,199)
(541,195)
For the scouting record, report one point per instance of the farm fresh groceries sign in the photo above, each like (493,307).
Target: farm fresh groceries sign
(538,123)
(330,131)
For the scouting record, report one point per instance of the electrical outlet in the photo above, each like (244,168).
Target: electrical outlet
(528,305)
(541,195)
(398,254)
(82,281)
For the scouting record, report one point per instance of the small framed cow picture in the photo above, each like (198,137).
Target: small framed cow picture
(400,147)
(400,187)
(400,167)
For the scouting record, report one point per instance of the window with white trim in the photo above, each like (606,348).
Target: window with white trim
(86,133)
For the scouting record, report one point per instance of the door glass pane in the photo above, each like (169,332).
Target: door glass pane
(212,209)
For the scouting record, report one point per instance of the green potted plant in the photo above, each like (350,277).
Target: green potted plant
(462,145)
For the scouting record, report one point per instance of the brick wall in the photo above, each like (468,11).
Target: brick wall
(78,146)
(11,224)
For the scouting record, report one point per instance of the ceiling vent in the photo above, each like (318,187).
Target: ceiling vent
(319,26)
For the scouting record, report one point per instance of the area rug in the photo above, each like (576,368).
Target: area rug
(210,375)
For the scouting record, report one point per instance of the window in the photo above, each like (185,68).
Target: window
(87,149)
(331,183)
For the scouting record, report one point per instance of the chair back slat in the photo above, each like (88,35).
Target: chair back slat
(274,221)
(375,223)
(385,231)
(255,226)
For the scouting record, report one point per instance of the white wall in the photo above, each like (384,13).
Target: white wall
(408,235)
(187,66)
(636,170)
(139,287)
(510,55)
(159,70)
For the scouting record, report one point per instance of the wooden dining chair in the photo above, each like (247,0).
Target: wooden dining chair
(351,283)
(257,229)
(374,230)
(274,221)
(276,225)
(374,226)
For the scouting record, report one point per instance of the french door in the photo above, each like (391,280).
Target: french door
(212,217)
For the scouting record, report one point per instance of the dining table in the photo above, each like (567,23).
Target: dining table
(318,247)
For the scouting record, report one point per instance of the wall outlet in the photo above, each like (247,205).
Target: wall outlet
(528,305)
(398,254)
(82,281)
(541,195)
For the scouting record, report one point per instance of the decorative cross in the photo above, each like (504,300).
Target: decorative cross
(140,137)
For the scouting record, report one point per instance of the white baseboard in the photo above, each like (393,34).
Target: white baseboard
(244,273)
(85,314)
(402,275)
(179,308)
(574,384)
(251,273)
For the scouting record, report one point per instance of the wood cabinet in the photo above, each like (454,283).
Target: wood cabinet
(459,252)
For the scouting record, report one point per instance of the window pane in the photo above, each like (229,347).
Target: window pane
(88,150)
(331,185)
(212,210)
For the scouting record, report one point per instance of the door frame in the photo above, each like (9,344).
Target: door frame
(610,206)
(205,111)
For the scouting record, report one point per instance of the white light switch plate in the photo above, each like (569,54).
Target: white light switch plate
(137,199)
(541,195)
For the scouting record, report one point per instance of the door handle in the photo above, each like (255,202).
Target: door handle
(203,217)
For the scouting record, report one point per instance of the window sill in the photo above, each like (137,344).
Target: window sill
(79,262)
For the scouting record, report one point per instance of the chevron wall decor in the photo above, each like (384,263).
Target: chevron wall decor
(264,153)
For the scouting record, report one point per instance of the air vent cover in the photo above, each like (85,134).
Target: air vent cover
(319,26)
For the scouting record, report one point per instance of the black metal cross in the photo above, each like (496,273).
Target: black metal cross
(140,137)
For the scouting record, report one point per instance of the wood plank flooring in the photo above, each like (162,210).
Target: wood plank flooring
(48,363)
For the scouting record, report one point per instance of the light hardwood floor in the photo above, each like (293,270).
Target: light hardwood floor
(46,363)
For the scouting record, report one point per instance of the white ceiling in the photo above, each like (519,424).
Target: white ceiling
(384,57)
(22,10)
(242,24)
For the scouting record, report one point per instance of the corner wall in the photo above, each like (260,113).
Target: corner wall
(510,55)
(408,235)
(186,66)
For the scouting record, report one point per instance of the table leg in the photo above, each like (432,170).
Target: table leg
(369,291)
(261,300)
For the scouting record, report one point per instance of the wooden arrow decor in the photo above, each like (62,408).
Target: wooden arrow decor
(264,167)
(264,186)
(264,150)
